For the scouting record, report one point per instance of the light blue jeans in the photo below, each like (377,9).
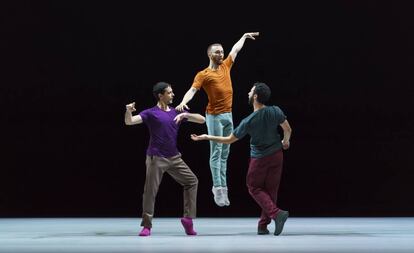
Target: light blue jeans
(219,125)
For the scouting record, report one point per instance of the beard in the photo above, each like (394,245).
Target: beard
(167,102)
(218,61)
(251,100)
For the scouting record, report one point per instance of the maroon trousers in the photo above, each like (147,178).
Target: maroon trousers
(263,179)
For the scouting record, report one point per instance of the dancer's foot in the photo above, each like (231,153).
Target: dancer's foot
(226,196)
(145,232)
(218,196)
(262,230)
(280,220)
(188,226)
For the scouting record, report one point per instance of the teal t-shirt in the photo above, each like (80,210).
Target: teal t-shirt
(262,126)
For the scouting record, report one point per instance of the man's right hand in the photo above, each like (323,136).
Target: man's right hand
(285,144)
(251,35)
(181,107)
(131,107)
(201,137)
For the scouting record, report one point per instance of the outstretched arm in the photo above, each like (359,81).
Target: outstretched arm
(239,44)
(187,97)
(221,139)
(287,131)
(129,119)
(192,117)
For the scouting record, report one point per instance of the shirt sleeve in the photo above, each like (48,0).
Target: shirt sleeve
(198,81)
(241,130)
(144,116)
(279,115)
(228,62)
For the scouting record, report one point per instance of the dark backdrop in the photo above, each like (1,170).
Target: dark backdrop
(340,70)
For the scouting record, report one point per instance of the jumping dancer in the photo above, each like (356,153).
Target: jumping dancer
(216,82)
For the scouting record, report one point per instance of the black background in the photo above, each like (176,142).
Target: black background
(340,70)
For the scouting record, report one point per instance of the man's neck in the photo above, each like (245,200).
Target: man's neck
(213,65)
(163,106)
(257,106)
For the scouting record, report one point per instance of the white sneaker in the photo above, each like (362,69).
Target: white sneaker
(218,195)
(225,196)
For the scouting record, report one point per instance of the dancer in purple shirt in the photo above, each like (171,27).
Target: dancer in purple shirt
(163,123)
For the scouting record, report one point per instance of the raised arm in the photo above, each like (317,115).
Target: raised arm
(287,132)
(221,139)
(239,44)
(187,97)
(129,119)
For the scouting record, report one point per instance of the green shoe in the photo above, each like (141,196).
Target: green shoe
(280,220)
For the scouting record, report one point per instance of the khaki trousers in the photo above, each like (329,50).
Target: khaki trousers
(180,172)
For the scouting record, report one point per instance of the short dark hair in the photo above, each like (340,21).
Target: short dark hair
(159,88)
(212,45)
(262,91)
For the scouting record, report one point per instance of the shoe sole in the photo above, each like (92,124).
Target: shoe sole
(263,232)
(220,204)
(280,222)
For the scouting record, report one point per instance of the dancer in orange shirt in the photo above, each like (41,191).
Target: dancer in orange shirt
(216,82)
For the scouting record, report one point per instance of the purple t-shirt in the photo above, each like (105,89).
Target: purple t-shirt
(163,131)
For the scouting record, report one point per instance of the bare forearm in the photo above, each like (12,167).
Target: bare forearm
(287,131)
(188,95)
(286,135)
(195,117)
(239,45)
(128,117)
(220,139)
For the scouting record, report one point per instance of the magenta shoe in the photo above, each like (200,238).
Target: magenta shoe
(188,226)
(145,232)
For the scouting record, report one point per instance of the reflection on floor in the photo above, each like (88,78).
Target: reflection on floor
(337,235)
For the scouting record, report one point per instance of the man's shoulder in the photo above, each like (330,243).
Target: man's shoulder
(203,72)
(259,114)
(228,60)
(248,118)
(277,109)
(200,78)
(148,110)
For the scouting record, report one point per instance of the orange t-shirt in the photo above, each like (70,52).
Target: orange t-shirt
(217,85)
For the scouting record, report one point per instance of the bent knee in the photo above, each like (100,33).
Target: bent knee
(195,181)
